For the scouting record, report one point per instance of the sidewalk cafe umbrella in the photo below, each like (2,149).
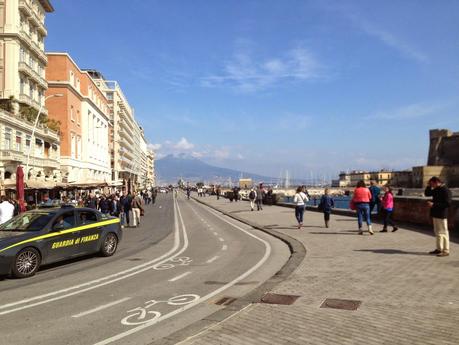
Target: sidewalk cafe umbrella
(20,188)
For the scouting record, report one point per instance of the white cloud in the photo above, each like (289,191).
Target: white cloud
(406,112)
(183,144)
(222,153)
(247,73)
(154,147)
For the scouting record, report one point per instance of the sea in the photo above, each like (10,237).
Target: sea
(341,202)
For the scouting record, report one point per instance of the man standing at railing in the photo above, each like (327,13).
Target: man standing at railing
(441,201)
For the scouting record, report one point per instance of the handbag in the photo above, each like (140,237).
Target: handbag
(352,205)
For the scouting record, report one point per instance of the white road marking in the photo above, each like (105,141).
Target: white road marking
(105,306)
(180,276)
(221,239)
(100,282)
(224,247)
(202,299)
(212,259)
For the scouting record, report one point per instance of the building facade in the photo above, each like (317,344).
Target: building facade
(84,121)
(22,57)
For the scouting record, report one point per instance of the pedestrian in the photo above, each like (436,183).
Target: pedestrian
(188,192)
(299,200)
(439,205)
(91,201)
(6,210)
(375,197)
(259,200)
(219,191)
(127,208)
(236,194)
(325,205)
(104,205)
(387,208)
(252,198)
(115,208)
(137,210)
(361,201)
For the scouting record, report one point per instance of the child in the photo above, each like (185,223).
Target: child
(326,204)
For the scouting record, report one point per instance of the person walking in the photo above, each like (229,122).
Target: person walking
(252,198)
(361,201)
(299,200)
(375,197)
(104,205)
(325,205)
(127,208)
(259,200)
(188,192)
(439,205)
(218,192)
(236,194)
(137,210)
(387,208)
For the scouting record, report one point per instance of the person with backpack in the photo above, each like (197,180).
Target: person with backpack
(300,199)
(252,198)
(325,205)
(387,208)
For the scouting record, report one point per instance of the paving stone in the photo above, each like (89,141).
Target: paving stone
(408,297)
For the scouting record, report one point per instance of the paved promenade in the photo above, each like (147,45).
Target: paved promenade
(407,296)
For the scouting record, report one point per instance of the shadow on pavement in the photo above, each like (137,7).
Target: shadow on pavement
(392,251)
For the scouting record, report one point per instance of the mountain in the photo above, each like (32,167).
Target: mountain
(171,168)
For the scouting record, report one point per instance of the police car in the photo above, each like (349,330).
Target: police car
(45,236)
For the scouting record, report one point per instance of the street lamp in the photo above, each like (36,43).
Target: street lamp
(35,126)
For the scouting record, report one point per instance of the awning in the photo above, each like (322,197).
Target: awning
(40,184)
(118,183)
(87,184)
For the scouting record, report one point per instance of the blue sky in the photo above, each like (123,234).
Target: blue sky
(314,87)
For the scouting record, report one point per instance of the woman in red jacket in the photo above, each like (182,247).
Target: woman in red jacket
(361,200)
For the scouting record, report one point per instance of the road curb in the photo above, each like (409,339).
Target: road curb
(297,254)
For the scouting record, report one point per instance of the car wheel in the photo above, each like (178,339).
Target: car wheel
(109,245)
(26,263)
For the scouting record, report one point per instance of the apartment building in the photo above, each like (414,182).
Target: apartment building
(151,176)
(22,57)
(125,137)
(83,114)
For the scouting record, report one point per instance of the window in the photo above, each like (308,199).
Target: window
(78,147)
(22,55)
(73,145)
(64,221)
(78,84)
(28,138)
(72,77)
(78,117)
(18,141)
(7,139)
(72,113)
(87,217)
(22,86)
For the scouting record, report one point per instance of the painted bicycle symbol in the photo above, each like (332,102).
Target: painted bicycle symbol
(179,261)
(141,315)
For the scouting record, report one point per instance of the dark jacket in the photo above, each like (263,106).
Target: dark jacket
(375,192)
(441,198)
(104,206)
(127,203)
(326,203)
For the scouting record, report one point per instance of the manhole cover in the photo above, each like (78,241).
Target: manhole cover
(225,301)
(273,298)
(345,304)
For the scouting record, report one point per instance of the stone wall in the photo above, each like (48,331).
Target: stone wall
(444,147)
(415,210)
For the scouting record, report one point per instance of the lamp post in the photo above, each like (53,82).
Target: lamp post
(35,127)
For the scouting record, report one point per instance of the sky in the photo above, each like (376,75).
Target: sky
(310,86)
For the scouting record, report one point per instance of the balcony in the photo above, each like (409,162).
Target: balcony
(12,156)
(26,99)
(33,46)
(25,68)
(24,7)
(45,162)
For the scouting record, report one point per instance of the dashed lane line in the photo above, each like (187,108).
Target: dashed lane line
(102,307)
(180,276)
(212,259)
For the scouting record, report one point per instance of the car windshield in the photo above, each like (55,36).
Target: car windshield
(33,221)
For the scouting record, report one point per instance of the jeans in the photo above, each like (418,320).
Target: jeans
(326,216)
(363,213)
(388,218)
(259,204)
(299,213)
(126,217)
(372,206)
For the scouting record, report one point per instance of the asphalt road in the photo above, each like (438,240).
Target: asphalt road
(167,274)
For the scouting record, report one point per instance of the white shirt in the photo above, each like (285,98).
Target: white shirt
(300,198)
(6,212)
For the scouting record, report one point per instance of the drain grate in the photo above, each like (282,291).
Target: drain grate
(344,304)
(273,298)
(225,301)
